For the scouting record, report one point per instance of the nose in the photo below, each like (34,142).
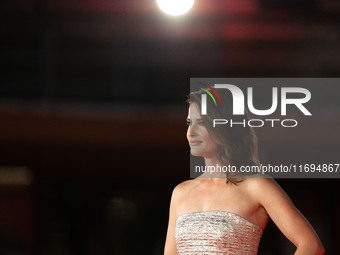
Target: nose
(192,130)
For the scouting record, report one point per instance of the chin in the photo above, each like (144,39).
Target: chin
(196,153)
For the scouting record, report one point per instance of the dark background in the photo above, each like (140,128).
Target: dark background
(92,114)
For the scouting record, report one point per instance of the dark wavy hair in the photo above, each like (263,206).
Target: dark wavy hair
(237,144)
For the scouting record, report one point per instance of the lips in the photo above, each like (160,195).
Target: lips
(195,143)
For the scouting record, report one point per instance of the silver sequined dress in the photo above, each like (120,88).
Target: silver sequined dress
(216,232)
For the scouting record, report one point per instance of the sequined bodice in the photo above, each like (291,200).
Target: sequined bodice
(216,232)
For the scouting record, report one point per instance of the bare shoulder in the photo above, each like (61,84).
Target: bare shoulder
(264,186)
(265,189)
(182,188)
(261,182)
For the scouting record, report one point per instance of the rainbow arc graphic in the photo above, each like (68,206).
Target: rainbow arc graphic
(209,93)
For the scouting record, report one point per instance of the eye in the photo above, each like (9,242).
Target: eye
(188,122)
(201,123)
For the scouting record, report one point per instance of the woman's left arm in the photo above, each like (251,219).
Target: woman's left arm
(287,217)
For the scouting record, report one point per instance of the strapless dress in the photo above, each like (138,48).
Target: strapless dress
(216,232)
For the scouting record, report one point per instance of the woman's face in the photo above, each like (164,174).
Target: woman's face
(200,141)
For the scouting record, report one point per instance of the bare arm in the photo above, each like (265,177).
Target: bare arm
(287,218)
(170,243)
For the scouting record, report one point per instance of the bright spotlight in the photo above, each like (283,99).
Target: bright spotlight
(175,7)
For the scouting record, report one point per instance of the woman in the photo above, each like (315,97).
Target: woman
(226,212)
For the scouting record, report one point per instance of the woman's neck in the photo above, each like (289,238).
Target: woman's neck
(214,169)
